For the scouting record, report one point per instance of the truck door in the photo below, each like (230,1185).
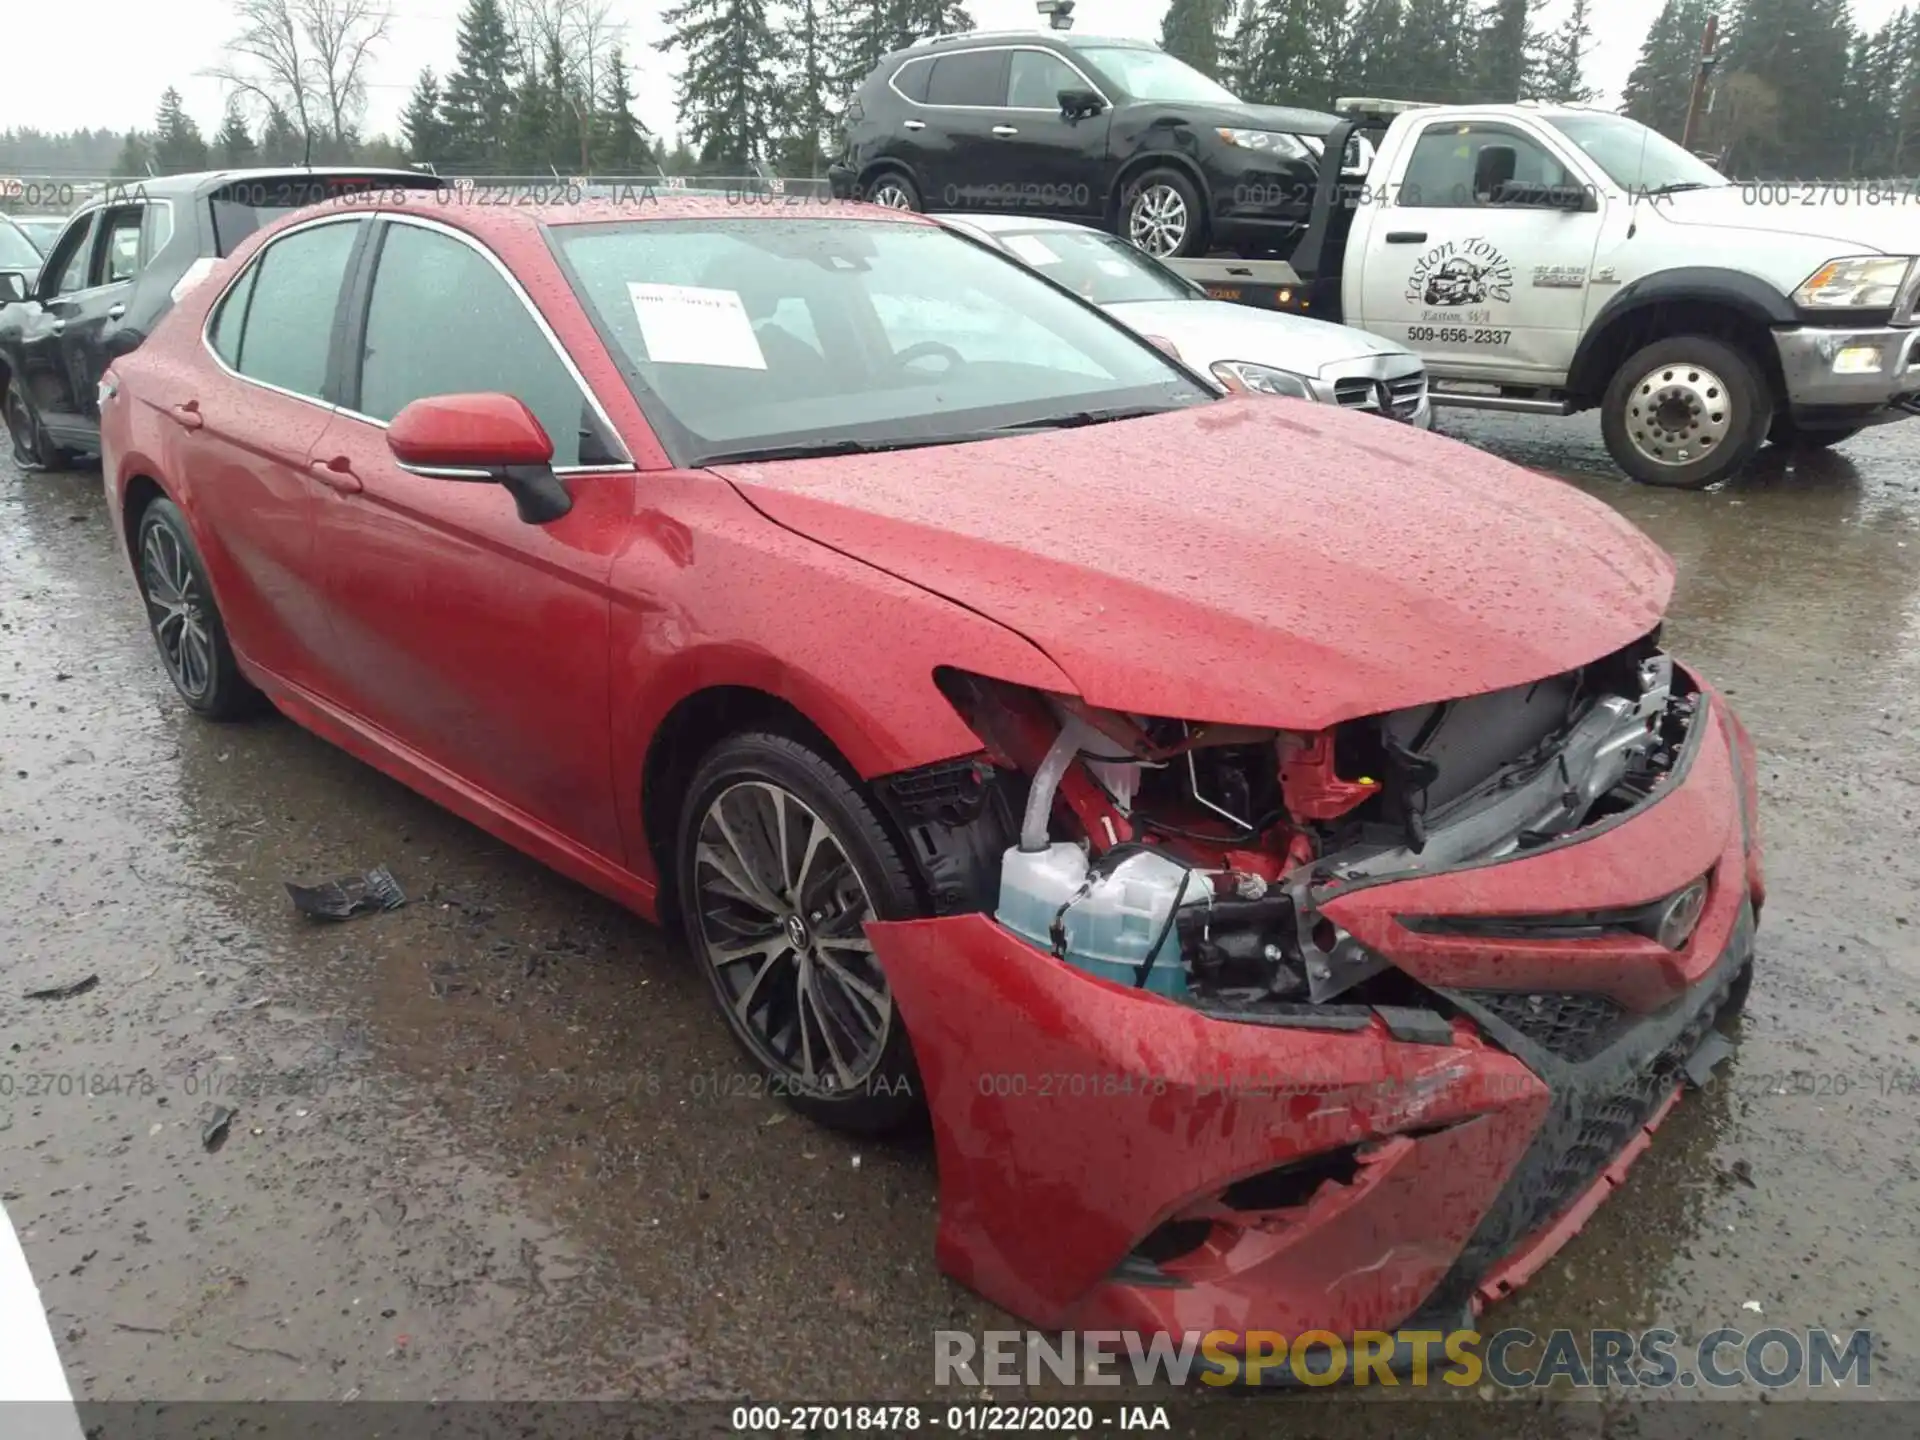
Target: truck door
(1479,255)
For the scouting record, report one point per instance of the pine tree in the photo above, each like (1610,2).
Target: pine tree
(1504,41)
(572,114)
(1436,53)
(808,76)
(234,144)
(420,122)
(478,106)
(136,156)
(177,143)
(1292,52)
(620,146)
(1798,50)
(528,145)
(1661,86)
(1560,73)
(869,29)
(1378,48)
(280,142)
(1192,30)
(728,99)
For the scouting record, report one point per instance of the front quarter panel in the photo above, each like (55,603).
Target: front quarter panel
(710,593)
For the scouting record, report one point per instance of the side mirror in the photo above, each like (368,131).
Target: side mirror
(1493,170)
(482,438)
(1074,103)
(13,287)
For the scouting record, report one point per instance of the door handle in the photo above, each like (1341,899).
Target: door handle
(1407,237)
(187,415)
(116,310)
(1004,130)
(913,124)
(337,474)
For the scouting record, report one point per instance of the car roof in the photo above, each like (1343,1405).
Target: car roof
(193,182)
(1003,224)
(643,204)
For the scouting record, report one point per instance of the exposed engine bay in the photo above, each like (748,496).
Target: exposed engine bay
(1192,859)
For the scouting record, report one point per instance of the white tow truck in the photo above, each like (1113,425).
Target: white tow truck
(1549,260)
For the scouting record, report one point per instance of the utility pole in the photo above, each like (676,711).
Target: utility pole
(1708,60)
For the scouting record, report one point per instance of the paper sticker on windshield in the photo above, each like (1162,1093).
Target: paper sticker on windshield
(692,325)
(1032,249)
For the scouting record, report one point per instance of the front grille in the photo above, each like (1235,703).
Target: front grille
(1398,398)
(1405,394)
(1574,1027)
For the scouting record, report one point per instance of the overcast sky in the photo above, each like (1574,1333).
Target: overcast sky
(176,39)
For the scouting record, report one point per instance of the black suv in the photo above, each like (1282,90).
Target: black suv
(1115,133)
(118,266)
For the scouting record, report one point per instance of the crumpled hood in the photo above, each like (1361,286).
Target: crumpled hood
(1804,211)
(1208,331)
(1256,561)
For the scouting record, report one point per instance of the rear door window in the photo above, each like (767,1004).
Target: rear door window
(290,315)
(973,77)
(120,245)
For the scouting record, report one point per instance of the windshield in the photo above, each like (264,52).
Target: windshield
(241,207)
(1156,75)
(1635,158)
(16,251)
(1096,267)
(752,337)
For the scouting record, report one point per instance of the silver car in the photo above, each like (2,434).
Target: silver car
(1235,346)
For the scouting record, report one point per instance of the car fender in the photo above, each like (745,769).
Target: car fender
(1748,295)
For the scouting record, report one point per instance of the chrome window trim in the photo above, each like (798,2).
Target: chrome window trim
(546,330)
(206,325)
(990,49)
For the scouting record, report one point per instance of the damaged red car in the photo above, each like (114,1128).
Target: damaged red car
(1273,846)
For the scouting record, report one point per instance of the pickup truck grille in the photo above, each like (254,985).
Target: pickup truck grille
(1398,398)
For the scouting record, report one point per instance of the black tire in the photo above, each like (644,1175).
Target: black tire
(187,628)
(894,190)
(1788,435)
(759,988)
(33,448)
(1686,412)
(1146,197)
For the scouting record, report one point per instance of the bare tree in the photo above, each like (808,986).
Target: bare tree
(308,58)
(581,32)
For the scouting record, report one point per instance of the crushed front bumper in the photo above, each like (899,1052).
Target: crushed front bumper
(1848,378)
(1112,1160)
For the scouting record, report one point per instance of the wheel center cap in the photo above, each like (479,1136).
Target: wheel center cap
(797,932)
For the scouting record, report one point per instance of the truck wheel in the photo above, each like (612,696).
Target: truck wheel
(780,862)
(894,191)
(1685,412)
(1162,214)
(1789,435)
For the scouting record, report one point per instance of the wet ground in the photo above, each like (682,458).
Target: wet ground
(491,1145)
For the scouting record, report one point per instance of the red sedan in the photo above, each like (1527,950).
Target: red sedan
(1273,845)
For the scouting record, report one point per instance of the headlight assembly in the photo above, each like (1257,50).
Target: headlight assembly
(1262,379)
(1860,282)
(1271,142)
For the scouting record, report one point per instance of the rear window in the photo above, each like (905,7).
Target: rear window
(242,206)
(911,79)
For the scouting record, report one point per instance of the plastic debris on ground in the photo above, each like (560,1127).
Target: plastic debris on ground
(348,896)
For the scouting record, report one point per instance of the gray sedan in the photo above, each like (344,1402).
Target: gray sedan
(1235,346)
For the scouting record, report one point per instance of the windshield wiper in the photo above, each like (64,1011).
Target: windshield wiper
(1078,418)
(1679,185)
(818,449)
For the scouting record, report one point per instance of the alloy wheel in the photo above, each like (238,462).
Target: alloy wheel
(781,911)
(177,612)
(1679,414)
(891,194)
(1157,221)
